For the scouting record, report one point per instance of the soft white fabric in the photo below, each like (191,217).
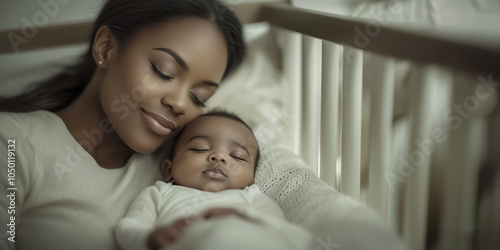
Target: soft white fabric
(230,233)
(64,200)
(163,203)
(336,221)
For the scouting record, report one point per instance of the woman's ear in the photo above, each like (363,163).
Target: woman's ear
(104,46)
(166,167)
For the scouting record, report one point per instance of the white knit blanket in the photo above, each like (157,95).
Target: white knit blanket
(336,221)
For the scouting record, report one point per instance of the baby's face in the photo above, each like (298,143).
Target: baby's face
(213,154)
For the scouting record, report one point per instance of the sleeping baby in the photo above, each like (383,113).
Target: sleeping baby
(207,199)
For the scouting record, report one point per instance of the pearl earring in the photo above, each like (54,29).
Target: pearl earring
(100,62)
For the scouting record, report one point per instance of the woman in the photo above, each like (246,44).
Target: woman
(73,171)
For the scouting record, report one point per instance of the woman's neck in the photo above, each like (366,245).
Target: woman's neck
(87,123)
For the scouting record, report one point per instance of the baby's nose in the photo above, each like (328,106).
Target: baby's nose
(218,157)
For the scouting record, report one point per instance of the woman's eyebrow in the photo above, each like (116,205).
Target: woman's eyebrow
(211,84)
(176,57)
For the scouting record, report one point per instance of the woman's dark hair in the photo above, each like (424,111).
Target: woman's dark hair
(123,18)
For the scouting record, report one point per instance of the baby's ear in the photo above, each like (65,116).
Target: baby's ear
(166,167)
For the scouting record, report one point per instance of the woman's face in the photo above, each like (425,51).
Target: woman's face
(160,79)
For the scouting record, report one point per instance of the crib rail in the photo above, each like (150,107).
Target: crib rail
(418,45)
(14,41)
(449,50)
(324,61)
(405,207)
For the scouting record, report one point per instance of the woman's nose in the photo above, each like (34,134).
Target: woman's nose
(217,156)
(176,100)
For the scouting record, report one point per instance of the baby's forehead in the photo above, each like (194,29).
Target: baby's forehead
(215,126)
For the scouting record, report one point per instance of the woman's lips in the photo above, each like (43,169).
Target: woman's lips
(159,124)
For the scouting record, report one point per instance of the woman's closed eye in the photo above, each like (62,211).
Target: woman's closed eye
(161,74)
(197,100)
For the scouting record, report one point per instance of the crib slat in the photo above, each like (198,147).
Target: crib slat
(311,97)
(292,65)
(461,171)
(351,121)
(330,113)
(415,167)
(382,96)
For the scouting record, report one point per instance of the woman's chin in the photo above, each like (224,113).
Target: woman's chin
(144,144)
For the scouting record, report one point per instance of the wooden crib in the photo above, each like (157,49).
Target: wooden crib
(401,119)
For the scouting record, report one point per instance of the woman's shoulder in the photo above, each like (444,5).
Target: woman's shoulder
(28,119)
(41,125)
(28,115)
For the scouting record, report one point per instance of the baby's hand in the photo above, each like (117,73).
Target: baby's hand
(169,234)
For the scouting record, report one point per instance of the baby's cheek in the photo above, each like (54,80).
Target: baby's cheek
(245,178)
